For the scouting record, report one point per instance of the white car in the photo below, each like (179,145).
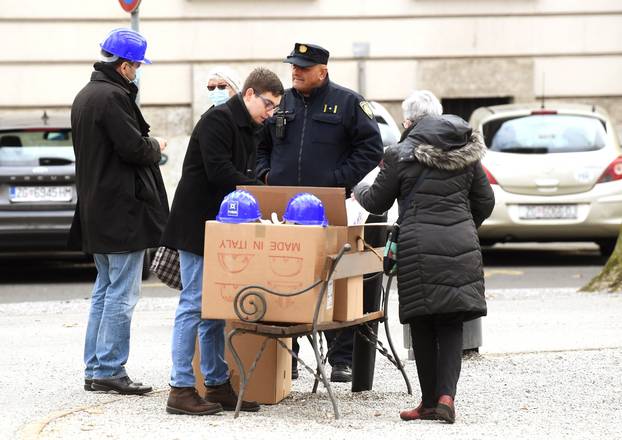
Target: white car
(390,134)
(556,173)
(389,131)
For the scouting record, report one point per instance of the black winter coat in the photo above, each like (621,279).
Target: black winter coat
(329,140)
(122,204)
(221,155)
(439,258)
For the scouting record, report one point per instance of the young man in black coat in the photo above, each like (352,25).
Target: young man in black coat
(221,155)
(122,205)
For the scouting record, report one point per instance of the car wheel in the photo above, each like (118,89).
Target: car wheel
(606,247)
(147,264)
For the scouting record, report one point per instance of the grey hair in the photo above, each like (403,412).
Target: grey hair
(421,103)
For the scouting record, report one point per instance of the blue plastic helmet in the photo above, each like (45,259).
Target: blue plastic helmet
(239,206)
(305,209)
(126,43)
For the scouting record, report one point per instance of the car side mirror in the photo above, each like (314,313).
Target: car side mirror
(163,159)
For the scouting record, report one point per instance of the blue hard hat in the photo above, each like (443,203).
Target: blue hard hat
(126,43)
(305,209)
(239,206)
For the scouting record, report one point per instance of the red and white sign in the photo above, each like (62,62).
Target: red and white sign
(129,5)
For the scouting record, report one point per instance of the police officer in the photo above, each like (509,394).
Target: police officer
(322,135)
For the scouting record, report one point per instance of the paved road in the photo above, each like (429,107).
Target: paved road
(507,267)
(529,265)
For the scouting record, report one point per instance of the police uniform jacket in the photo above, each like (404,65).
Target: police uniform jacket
(328,139)
(439,267)
(122,204)
(221,154)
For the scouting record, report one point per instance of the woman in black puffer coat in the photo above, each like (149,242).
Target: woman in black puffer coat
(440,273)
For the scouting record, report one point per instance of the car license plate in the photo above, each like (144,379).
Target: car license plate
(40,194)
(535,212)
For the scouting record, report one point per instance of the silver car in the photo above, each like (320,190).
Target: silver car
(556,173)
(37,183)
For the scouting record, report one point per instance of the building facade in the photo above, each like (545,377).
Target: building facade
(469,53)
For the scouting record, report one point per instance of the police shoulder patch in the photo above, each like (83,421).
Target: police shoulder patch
(366,106)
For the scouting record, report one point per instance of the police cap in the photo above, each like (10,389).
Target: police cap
(305,55)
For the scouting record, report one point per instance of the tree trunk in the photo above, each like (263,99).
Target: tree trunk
(610,277)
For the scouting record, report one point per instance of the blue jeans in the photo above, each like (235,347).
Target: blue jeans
(116,292)
(188,323)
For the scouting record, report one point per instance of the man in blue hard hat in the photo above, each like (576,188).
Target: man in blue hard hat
(122,206)
(323,135)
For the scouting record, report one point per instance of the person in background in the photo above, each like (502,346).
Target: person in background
(222,83)
(122,205)
(437,170)
(323,135)
(221,154)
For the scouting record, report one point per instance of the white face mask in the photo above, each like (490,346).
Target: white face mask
(218,96)
(136,79)
(138,75)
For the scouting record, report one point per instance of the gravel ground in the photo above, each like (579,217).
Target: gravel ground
(520,396)
(550,367)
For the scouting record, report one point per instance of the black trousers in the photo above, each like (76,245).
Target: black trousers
(437,344)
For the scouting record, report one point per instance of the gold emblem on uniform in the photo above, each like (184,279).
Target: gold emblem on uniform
(366,106)
(329,109)
(302,48)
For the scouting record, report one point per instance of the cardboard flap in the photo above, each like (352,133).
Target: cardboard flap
(275,198)
(358,263)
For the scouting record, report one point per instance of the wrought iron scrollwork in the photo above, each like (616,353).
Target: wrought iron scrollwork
(250,305)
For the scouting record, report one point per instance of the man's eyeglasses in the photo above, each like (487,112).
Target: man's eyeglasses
(219,86)
(270,106)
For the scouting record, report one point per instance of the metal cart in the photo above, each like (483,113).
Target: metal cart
(250,307)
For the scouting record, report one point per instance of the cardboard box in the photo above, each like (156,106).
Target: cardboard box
(349,291)
(283,258)
(271,381)
(348,299)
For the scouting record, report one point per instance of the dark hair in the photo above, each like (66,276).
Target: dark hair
(262,80)
(117,62)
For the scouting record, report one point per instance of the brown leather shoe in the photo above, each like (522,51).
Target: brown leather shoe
(419,413)
(225,395)
(187,401)
(445,409)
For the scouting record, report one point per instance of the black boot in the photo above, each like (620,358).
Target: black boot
(122,385)
(341,373)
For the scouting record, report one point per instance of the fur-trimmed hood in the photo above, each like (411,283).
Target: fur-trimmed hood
(446,142)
